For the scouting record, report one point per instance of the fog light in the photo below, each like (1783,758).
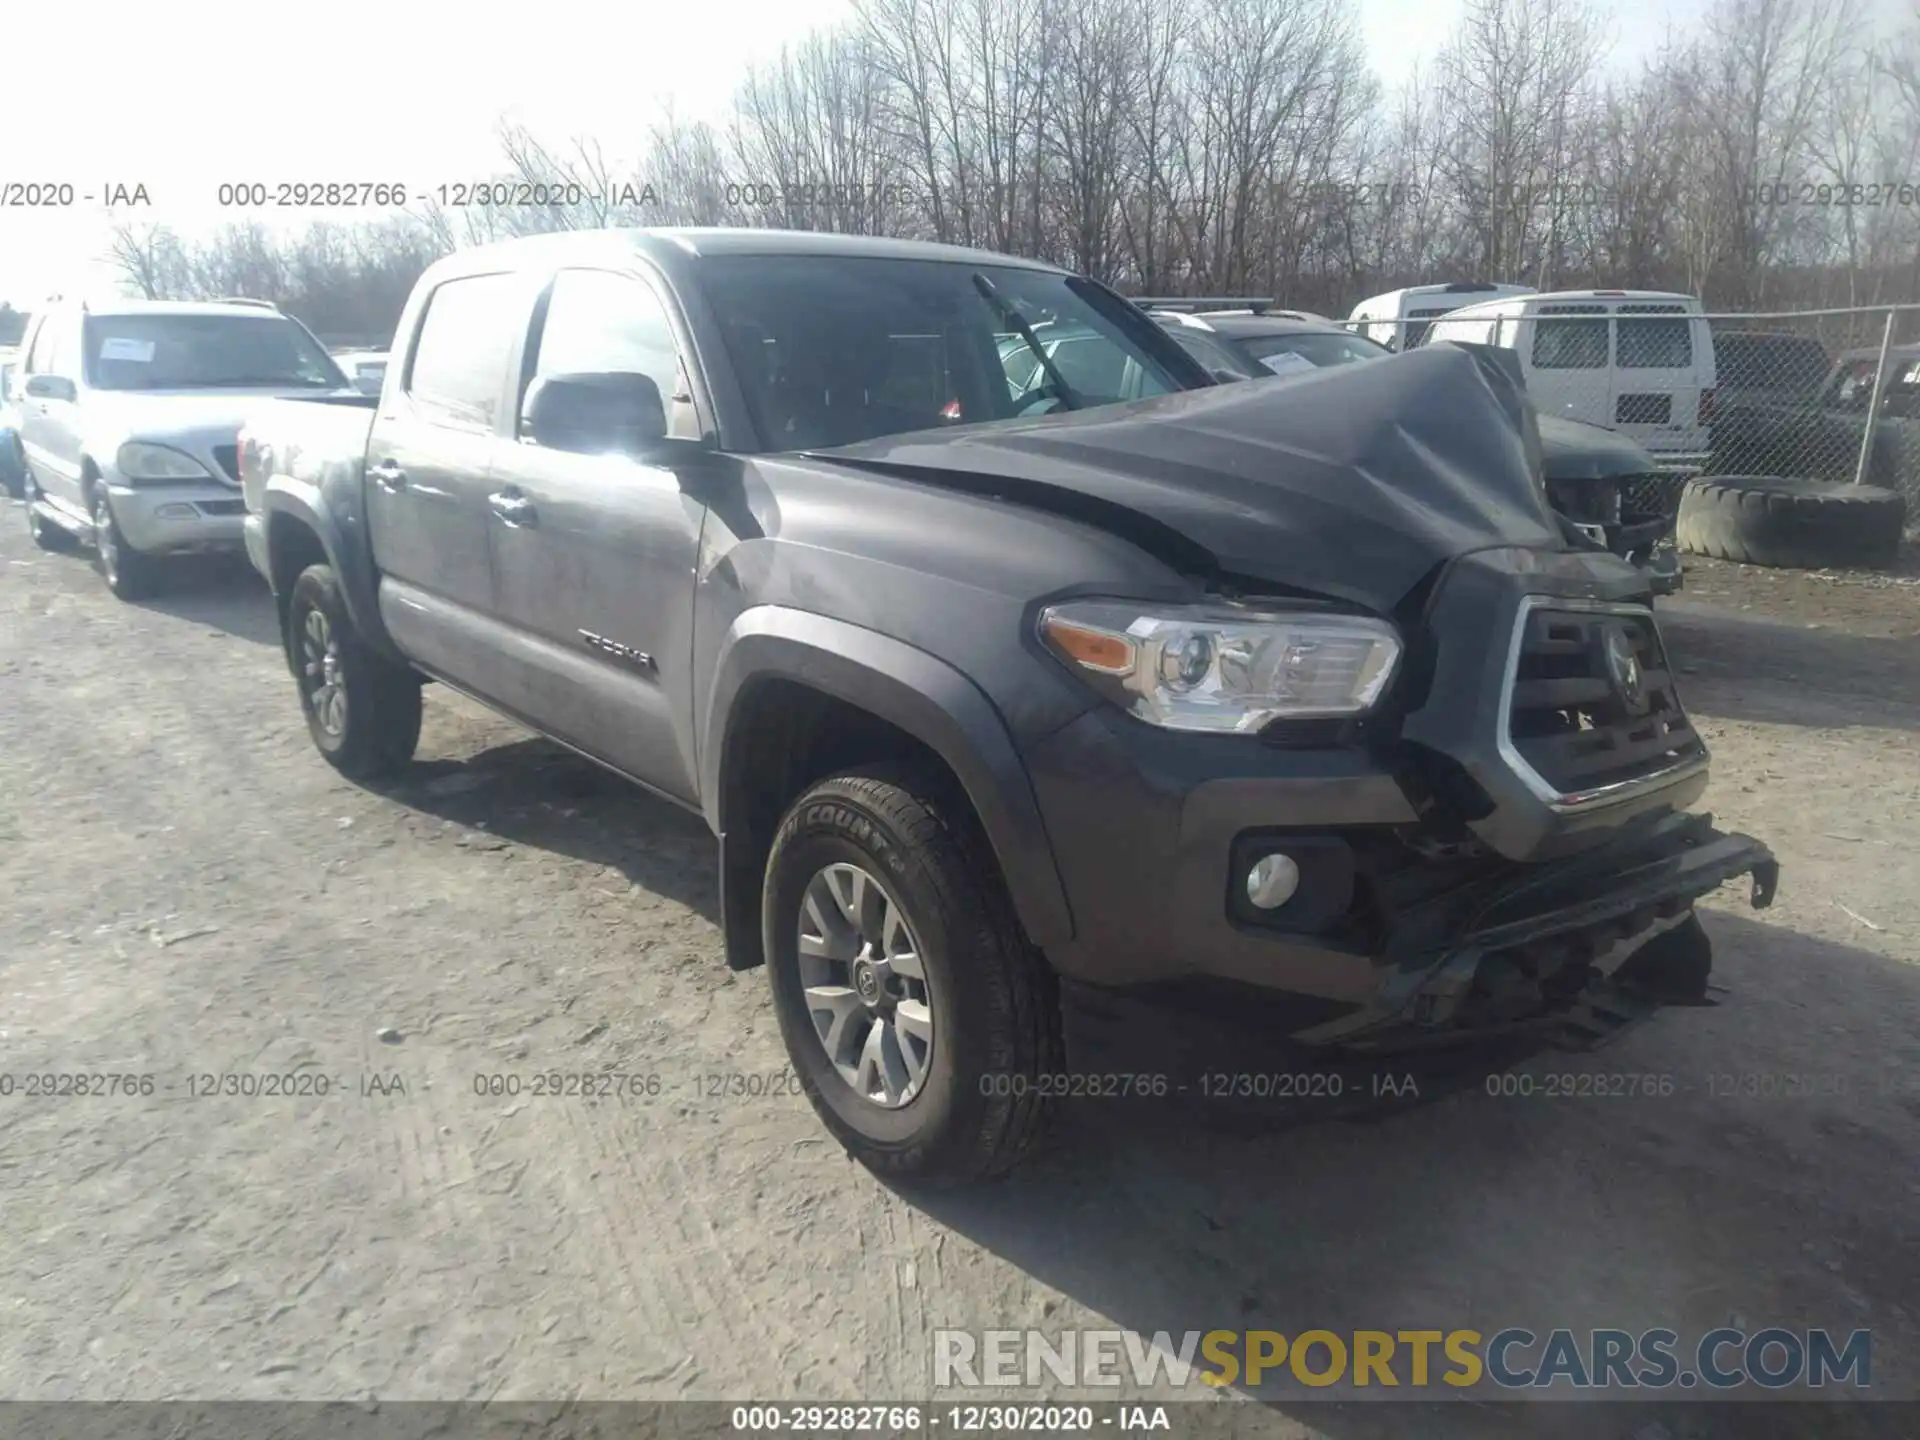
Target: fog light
(1272,881)
(175,512)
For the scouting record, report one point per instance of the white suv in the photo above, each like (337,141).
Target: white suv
(129,420)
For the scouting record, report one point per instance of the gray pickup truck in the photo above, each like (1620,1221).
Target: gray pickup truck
(998,691)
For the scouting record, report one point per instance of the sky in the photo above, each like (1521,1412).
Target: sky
(183,97)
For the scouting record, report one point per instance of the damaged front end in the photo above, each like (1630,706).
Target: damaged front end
(1498,842)
(1550,881)
(1578,948)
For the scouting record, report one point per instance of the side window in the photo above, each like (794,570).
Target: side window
(600,323)
(1021,364)
(459,362)
(1564,339)
(1094,366)
(1469,332)
(1902,396)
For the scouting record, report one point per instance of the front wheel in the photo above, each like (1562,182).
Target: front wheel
(129,573)
(362,710)
(922,1022)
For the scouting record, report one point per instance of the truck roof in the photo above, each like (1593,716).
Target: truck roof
(697,242)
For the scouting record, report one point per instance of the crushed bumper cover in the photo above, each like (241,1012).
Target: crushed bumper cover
(1556,945)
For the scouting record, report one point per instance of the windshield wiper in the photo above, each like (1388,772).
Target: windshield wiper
(1018,324)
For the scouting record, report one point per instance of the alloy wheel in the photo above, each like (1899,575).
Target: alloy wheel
(865,985)
(320,675)
(105,545)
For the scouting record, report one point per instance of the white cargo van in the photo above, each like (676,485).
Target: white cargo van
(1636,361)
(1399,318)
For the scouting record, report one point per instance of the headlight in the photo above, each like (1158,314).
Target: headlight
(1220,668)
(139,461)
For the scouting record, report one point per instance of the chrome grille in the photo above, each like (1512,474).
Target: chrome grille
(1580,717)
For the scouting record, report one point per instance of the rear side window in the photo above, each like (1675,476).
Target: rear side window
(459,361)
(1650,341)
(1565,339)
(1794,364)
(1092,366)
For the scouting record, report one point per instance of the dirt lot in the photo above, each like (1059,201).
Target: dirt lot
(186,890)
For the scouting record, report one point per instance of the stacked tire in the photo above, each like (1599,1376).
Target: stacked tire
(1799,524)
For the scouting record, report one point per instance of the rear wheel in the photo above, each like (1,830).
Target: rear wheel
(362,710)
(920,1019)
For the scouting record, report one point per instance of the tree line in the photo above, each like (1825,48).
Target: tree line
(1768,159)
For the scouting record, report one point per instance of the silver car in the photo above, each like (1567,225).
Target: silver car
(129,416)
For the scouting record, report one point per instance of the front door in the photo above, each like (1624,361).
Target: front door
(49,420)
(429,458)
(595,555)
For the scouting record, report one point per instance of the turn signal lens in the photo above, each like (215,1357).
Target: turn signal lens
(1100,650)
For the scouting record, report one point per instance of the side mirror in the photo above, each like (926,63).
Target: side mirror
(50,387)
(618,411)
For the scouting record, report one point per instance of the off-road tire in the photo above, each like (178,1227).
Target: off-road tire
(382,722)
(994,1000)
(55,539)
(130,574)
(1804,524)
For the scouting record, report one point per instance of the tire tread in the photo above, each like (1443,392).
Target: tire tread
(921,808)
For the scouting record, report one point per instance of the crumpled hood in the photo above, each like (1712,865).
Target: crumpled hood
(1353,483)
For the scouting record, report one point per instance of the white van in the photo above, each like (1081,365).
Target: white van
(1399,318)
(1636,361)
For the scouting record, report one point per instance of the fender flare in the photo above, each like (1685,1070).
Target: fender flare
(301,502)
(922,695)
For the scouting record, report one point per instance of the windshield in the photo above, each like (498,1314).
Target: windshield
(203,352)
(833,350)
(1283,354)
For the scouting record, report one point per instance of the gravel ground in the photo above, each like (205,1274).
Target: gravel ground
(187,890)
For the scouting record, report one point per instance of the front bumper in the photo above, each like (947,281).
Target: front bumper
(1432,869)
(158,519)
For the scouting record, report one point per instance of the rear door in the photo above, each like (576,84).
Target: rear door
(1567,346)
(1659,371)
(429,456)
(596,554)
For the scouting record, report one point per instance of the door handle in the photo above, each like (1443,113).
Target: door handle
(389,477)
(514,508)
